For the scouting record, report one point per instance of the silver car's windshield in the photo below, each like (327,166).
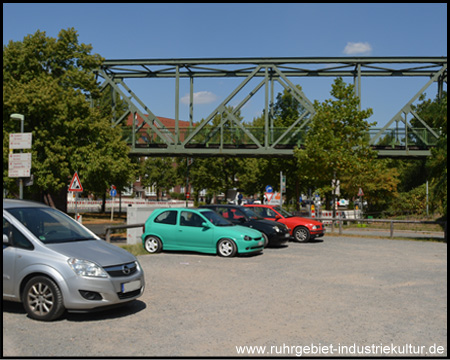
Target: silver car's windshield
(50,225)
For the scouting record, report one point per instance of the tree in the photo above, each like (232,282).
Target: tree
(51,82)
(434,113)
(287,108)
(336,143)
(378,179)
(160,173)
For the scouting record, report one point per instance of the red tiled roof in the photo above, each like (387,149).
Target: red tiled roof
(168,123)
(147,135)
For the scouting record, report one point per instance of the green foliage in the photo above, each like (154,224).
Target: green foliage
(412,202)
(336,145)
(160,173)
(413,174)
(50,81)
(287,108)
(437,164)
(434,113)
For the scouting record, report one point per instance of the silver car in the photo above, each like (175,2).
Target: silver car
(51,263)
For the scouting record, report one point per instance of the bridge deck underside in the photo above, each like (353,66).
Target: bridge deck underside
(220,142)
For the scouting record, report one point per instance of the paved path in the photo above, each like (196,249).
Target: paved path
(339,292)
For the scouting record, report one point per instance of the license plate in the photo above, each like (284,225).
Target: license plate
(131,286)
(261,243)
(287,235)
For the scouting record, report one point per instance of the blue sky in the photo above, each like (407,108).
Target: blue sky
(161,31)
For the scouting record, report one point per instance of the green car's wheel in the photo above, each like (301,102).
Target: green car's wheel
(226,248)
(152,244)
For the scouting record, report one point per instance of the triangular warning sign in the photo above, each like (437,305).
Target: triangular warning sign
(269,196)
(75,184)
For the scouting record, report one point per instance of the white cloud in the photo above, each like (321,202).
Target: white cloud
(357,48)
(201,97)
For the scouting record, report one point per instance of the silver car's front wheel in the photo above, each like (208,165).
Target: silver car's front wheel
(226,248)
(42,299)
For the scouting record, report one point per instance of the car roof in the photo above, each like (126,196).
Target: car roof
(16,203)
(222,205)
(261,205)
(182,209)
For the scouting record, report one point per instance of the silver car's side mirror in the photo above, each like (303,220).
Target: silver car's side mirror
(5,239)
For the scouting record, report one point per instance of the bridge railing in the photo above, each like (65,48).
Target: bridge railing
(237,137)
(420,137)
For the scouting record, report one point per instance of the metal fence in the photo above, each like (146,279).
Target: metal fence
(339,222)
(334,221)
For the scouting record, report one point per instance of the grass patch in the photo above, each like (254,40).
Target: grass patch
(135,249)
(103,218)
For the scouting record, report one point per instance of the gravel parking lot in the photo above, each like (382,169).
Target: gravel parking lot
(339,294)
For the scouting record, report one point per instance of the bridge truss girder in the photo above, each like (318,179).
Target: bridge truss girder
(179,141)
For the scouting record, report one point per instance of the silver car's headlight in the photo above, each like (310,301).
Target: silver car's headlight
(86,268)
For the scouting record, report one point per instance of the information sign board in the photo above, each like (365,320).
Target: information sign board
(19,165)
(20,141)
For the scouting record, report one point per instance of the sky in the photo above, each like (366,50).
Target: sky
(233,30)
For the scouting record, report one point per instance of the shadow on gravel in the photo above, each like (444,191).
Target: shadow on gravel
(106,314)
(13,307)
(311,241)
(182,252)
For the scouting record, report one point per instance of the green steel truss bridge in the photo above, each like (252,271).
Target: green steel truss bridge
(232,137)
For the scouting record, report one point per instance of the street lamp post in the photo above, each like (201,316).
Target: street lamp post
(22,119)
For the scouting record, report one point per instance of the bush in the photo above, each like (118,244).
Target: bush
(412,202)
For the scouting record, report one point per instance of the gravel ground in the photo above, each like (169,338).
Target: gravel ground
(331,294)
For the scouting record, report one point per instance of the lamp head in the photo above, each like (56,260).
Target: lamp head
(17,117)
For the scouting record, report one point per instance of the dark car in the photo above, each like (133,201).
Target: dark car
(274,233)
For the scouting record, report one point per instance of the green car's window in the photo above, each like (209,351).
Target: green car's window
(188,218)
(167,217)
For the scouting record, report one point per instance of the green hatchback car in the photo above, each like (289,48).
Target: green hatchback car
(200,230)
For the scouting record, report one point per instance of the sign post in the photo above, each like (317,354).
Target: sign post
(360,194)
(75,186)
(269,193)
(113,193)
(19,166)
(282,187)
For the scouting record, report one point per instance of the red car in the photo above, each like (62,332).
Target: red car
(301,229)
